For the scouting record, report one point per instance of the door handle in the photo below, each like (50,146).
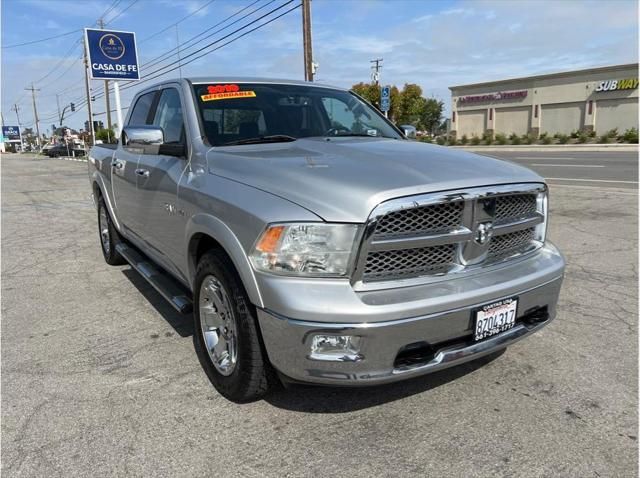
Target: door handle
(142,172)
(117,164)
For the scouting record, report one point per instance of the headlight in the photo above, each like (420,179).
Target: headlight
(313,249)
(542,208)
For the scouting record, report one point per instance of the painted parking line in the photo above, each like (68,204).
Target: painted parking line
(539,157)
(569,165)
(592,180)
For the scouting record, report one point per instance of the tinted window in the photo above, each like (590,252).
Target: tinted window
(141,109)
(169,116)
(234,112)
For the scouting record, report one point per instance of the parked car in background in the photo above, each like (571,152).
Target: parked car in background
(313,242)
(409,130)
(65,149)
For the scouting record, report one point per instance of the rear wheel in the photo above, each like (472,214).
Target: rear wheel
(109,237)
(226,333)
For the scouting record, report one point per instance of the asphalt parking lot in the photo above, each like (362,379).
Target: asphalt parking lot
(99,375)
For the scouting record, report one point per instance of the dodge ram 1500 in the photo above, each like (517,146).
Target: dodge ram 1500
(313,241)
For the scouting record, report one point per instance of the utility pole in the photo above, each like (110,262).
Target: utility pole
(306,40)
(16,108)
(89,106)
(375,76)
(178,52)
(106,88)
(35,111)
(58,103)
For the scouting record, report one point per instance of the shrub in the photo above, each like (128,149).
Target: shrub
(582,137)
(574,134)
(563,138)
(425,139)
(546,139)
(543,136)
(592,133)
(557,135)
(487,138)
(501,139)
(604,138)
(440,140)
(527,139)
(475,140)
(451,141)
(612,133)
(515,139)
(631,135)
(464,140)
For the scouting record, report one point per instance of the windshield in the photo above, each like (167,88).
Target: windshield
(248,113)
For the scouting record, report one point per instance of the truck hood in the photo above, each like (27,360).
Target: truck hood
(343,179)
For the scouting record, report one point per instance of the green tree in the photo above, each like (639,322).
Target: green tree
(106,136)
(369,92)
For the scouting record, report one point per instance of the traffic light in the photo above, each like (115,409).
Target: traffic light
(73,106)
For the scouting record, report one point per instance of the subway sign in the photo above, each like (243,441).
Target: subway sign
(615,85)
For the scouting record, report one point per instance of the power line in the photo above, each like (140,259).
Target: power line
(176,23)
(162,57)
(109,9)
(220,39)
(113,19)
(66,57)
(15,45)
(223,45)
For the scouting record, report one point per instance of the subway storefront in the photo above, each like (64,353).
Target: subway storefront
(595,99)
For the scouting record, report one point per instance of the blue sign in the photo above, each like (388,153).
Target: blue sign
(112,55)
(11,134)
(385,98)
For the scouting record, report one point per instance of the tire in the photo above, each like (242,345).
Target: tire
(109,237)
(227,338)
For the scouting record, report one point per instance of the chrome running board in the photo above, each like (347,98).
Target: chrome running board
(161,281)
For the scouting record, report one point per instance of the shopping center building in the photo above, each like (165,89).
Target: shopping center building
(599,99)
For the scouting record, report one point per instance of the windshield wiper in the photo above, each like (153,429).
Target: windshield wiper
(274,138)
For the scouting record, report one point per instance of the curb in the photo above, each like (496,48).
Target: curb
(553,148)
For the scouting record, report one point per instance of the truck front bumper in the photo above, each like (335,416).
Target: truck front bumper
(400,348)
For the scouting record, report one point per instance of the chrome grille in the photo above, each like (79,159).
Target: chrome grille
(420,220)
(510,244)
(445,233)
(406,263)
(514,207)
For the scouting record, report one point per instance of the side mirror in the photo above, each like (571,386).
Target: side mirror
(149,140)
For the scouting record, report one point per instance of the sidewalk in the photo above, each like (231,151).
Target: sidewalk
(552,147)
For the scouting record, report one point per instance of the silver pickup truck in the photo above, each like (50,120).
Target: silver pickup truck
(313,242)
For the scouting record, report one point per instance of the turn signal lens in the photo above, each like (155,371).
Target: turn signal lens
(269,240)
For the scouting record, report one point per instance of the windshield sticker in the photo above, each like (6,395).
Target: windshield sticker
(224,92)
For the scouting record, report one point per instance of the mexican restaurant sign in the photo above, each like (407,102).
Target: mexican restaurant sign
(501,95)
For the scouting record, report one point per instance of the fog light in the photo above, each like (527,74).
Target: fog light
(338,348)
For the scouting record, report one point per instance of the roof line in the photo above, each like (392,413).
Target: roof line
(558,74)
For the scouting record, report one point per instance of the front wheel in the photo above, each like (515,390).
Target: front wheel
(226,333)
(109,236)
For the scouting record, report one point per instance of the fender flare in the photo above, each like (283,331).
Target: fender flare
(98,183)
(216,229)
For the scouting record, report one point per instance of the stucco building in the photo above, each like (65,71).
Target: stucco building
(599,99)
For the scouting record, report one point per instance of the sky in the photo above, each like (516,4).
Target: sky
(433,43)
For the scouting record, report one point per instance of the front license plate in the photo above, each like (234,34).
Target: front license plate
(494,318)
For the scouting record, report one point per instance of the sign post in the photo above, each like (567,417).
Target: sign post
(385,100)
(112,56)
